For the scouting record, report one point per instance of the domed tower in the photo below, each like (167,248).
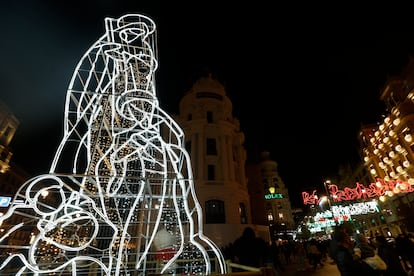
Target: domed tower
(278,205)
(215,143)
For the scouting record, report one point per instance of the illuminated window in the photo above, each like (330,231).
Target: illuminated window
(7,132)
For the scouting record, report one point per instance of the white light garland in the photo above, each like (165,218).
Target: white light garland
(121,175)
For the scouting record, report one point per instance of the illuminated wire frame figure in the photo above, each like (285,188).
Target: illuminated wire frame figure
(119,198)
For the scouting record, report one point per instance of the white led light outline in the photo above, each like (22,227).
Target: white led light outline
(127,156)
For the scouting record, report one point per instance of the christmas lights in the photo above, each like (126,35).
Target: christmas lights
(377,189)
(119,198)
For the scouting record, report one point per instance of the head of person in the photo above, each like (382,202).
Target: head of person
(343,239)
(361,239)
(248,233)
(380,240)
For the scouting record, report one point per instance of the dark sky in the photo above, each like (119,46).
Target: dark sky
(302,78)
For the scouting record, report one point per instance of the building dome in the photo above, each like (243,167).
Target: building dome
(209,84)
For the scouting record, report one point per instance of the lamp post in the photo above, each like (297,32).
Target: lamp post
(326,184)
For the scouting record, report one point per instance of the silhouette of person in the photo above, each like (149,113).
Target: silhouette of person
(390,256)
(275,251)
(347,263)
(250,250)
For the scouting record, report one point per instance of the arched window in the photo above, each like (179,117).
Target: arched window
(215,211)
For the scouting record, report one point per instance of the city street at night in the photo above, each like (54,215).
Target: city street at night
(151,138)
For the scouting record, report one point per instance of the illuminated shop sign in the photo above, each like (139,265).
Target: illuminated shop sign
(4,201)
(273,196)
(358,208)
(339,214)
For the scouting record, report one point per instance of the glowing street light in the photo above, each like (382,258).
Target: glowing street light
(323,200)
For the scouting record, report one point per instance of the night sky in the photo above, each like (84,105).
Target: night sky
(302,78)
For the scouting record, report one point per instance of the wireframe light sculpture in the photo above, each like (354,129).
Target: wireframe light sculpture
(119,198)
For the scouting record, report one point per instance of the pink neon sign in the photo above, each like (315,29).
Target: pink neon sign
(379,188)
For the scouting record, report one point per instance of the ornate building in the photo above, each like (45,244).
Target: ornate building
(215,143)
(388,152)
(277,202)
(11,175)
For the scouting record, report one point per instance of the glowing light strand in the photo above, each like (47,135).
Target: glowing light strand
(338,214)
(120,176)
(379,188)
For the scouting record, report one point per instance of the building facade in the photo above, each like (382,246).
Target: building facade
(215,143)
(11,175)
(278,208)
(388,152)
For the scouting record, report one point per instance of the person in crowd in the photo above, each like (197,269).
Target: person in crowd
(410,237)
(275,250)
(344,255)
(287,249)
(364,251)
(346,262)
(268,262)
(390,256)
(365,248)
(250,250)
(315,255)
(405,248)
(300,256)
(323,246)
(333,243)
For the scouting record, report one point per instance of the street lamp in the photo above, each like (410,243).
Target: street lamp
(326,184)
(322,201)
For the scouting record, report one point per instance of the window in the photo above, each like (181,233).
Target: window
(209,117)
(7,132)
(215,211)
(211,172)
(211,146)
(243,213)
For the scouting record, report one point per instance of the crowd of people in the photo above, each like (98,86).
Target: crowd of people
(359,254)
(352,253)
(253,251)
